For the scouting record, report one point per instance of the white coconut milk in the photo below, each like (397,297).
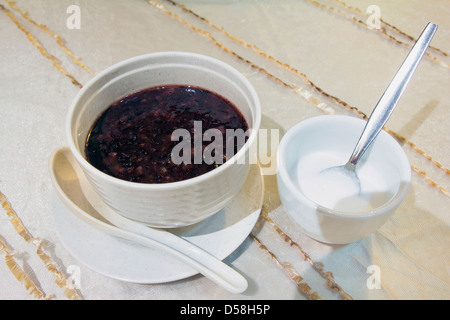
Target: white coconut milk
(333,191)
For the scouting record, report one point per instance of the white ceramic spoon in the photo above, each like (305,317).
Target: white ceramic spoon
(63,167)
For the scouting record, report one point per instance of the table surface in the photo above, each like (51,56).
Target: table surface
(305,58)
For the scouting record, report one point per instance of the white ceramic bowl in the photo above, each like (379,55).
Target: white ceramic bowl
(171,204)
(338,135)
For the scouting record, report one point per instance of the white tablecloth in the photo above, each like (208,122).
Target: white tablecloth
(305,58)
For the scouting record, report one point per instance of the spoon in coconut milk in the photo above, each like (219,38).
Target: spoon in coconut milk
(382,111)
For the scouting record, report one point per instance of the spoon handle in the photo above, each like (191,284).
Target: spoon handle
(194,256)
(207,264)
(390,97)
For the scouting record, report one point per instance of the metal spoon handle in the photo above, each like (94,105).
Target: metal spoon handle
(390,97)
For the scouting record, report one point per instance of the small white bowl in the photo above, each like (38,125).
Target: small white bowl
(170,204)
(337,135)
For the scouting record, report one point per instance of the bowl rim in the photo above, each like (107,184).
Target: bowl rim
(256,112)
(282,171)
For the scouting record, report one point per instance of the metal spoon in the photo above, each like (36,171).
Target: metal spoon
(385,106)
(63,167)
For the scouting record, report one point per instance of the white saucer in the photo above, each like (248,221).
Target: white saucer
(124,260)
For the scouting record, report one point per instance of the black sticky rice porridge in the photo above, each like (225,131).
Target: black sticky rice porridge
(132,139)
